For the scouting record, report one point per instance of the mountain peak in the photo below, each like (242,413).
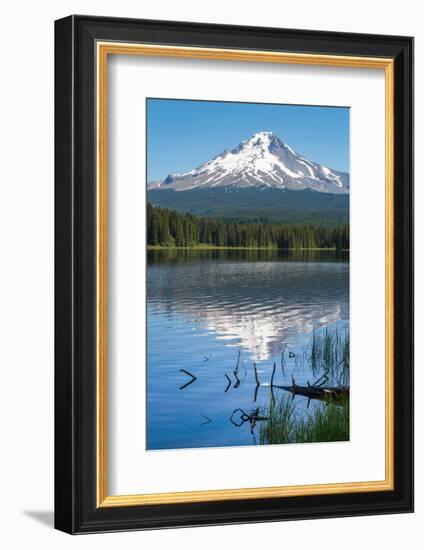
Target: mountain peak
(264,138)
(263,135)
(262,161)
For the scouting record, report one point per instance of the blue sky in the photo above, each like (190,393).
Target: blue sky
(182,134)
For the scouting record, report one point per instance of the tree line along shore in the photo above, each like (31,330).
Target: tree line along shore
(171,229)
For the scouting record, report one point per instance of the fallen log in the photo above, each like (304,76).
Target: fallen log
(335,393)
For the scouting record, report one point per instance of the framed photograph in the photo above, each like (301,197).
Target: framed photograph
(234,272)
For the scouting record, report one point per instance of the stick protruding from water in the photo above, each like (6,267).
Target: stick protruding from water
(256,375)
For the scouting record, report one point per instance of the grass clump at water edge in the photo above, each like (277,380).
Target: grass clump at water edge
(326,422)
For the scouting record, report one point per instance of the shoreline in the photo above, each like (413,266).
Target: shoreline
(212,247)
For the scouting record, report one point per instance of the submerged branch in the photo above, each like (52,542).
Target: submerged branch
(208,420)
(229,383)
(193,378)
(256,375)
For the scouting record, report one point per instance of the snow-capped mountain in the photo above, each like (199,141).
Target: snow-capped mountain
(262,161)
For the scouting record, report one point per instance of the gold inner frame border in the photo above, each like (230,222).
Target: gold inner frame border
(103,50)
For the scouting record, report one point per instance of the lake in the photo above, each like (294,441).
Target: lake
(211,310)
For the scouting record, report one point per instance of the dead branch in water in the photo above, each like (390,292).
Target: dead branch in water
(243,417)
(237,384)
(256,375)
(208,420)
(193,378)
(256,393)
(229,383)
(238,361)
(272,384)
(283,360)
(272,376)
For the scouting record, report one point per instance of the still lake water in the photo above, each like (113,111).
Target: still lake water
(206,307)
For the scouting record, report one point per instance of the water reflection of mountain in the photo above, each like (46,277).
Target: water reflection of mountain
(253,300)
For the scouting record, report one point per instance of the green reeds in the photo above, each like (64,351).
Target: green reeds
(326,422)
(328,354)
(279,428)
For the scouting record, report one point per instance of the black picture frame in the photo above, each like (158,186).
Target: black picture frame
(76,510)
